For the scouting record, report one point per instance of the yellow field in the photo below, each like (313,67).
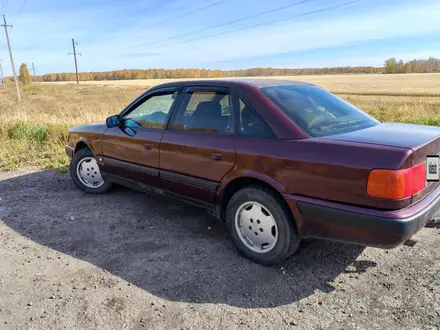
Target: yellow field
(33,132)
(410,84)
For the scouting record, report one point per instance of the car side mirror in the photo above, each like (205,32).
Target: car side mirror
(113,121)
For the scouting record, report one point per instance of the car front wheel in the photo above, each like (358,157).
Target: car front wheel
(260,226)
(85,173)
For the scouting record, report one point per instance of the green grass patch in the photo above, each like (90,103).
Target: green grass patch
(431,121)
(27,131)
(39,133)
(57,161)
(27,144)
(16,154)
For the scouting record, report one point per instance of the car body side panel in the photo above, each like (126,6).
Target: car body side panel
(323,170)
(91,135)
(142,148)
(191,154)
(133,157)
(187,165)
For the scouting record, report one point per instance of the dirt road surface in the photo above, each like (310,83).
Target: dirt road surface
(127,260)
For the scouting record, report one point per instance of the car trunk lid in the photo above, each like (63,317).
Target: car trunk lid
(392,134)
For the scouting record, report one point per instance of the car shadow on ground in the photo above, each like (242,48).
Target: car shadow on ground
(433,224)
(173,251)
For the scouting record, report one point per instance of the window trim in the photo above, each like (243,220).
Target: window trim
(214,89)
(194,89)
(148,95)
(237,96)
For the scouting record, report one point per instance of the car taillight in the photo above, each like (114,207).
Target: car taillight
(397,184)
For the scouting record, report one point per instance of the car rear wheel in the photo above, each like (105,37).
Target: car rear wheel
(260,226)
(85,173)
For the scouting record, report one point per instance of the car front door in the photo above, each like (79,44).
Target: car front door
(198,147)
(131,151)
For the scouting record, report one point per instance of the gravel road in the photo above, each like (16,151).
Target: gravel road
(127,260)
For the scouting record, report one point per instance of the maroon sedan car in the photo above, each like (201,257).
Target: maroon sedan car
(275,160)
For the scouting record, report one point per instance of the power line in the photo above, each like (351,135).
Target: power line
(19,12)
(4,5)
(262,24)
(230,22)
(187,13)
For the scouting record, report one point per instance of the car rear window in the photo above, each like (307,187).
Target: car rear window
(317,111)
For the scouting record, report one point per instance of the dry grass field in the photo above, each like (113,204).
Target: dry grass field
(33,132)
(389,84)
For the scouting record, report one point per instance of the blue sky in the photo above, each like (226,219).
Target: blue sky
(118,34)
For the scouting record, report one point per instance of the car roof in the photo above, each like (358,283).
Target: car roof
(239,82)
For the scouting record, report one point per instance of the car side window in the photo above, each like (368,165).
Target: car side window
(250,124)
(206,112)
(153,112)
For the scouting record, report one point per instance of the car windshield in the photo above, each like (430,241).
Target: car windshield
(317,111)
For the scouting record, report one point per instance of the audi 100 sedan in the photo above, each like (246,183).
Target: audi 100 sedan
(277,161)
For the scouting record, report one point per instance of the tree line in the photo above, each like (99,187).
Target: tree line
(203,73)
(420,66)
(391,65)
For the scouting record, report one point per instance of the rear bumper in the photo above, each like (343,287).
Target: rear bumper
(385,229)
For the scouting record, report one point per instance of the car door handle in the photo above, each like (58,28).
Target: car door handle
(148,146)
(216,156)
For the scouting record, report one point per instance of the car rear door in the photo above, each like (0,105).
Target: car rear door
(132,151)
(198,146)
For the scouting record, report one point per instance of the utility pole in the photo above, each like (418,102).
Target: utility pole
(12,58)
(1,72)
(33,69)
(74,55)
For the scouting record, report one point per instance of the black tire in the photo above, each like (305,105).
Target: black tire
(288,239)
(83,153)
